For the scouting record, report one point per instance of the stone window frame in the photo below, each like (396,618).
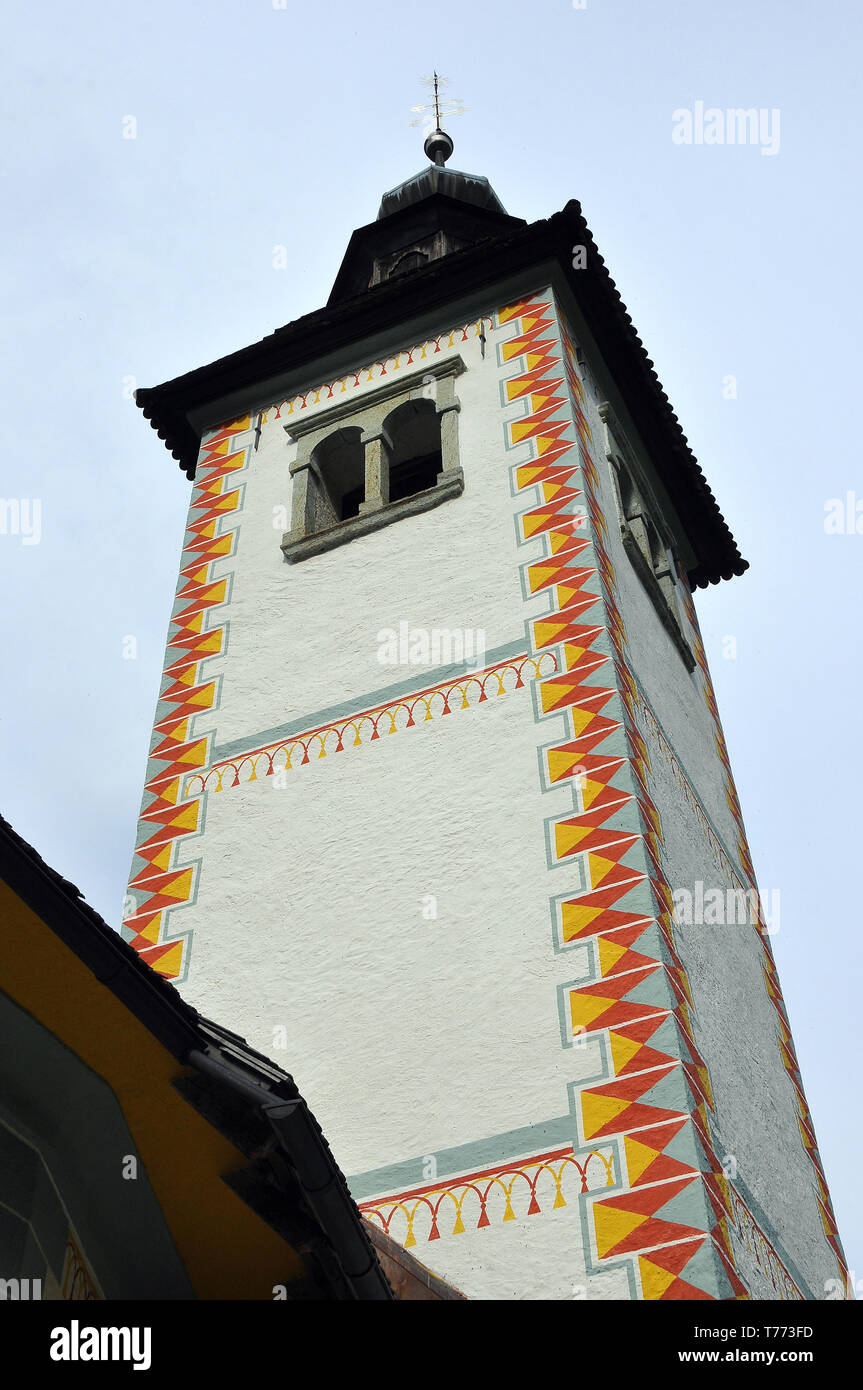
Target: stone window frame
(641,527)
(370,412)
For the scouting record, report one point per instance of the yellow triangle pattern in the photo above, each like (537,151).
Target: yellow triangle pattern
(613,1226)
(597,1111)
(609,955)
(654,1281)
(584,1008)
(576,918)
(638,1156)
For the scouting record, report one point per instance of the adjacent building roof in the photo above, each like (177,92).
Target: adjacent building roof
(213,1120)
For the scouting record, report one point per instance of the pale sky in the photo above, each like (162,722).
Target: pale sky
(129,261)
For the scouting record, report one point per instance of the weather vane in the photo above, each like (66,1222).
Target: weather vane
(438,145)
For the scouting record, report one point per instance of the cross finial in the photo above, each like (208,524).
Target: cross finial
(438,145)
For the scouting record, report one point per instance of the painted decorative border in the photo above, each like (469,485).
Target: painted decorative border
(158,884)
(463,692)
(77,1284)
(771,977)
(375,371)
(668,1226)
(535,1179)
(761,1247)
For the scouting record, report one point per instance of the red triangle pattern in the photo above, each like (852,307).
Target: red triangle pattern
(190,642)
(595,689)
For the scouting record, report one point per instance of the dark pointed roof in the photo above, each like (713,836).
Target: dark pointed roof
(435,213)
(468,188)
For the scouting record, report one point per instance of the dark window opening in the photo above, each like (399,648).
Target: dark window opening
(351,502)
(411,437)
(411,260)
(339,477)
(415,458)
(414,475)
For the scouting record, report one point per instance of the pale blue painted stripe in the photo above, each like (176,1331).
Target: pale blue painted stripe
(466,1158)
(363,702)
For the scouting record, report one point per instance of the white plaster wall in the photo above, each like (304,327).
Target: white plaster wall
(406,1036)
(531,1257)
(303,637)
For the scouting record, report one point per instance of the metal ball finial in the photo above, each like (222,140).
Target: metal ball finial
(438,146)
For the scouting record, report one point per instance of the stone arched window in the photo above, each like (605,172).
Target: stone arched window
(338,477)
(360,465)
(640,522)
(630,502)
(415,457)
(646,536)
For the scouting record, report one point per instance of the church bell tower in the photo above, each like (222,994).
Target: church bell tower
(438,812)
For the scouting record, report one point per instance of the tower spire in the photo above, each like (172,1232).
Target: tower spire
(438,145)
(436,81)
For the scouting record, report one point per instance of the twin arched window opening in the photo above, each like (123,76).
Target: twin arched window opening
(409,447)
(363,464)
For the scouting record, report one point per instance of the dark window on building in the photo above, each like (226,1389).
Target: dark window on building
(338,474)
(409,260)
(365,464)
(415,454)
(652,555)
(414,476)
